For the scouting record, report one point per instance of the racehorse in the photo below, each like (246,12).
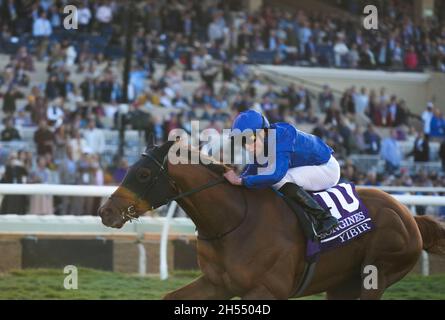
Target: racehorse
(250,243)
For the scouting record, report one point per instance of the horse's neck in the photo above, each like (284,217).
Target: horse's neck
(214,211)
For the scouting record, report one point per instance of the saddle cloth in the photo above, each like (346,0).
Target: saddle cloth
(346,206)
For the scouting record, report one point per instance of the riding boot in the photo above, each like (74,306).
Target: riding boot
(324,220)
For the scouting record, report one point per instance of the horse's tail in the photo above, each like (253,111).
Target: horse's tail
(433,234)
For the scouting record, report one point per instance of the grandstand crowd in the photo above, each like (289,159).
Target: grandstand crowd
(197,62)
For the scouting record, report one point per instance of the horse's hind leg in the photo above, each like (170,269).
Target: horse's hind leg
(354,289)
(387,274)
(391,253)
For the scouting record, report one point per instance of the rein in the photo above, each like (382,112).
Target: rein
(163,170)
(129,213)
(196,190)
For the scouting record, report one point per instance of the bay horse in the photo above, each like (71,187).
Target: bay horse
(250,243)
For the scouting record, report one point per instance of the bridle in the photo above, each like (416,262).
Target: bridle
(129,213)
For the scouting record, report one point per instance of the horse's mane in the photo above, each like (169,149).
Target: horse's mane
(211,163)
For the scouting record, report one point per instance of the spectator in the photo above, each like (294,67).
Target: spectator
(383,54)
(341,51)
(421,148)
(94,137)
(61,142)
(42,30)
(77,144)
(104,16)
(391,152)
(37,105)
(361,102)
(393,113)
(66,86)
(437,124)
(347,102)
(23,119)
(25,59)
(44,139)
(15,173)
(397,57)
(411,59)
(9,133)
(354,57)
(372,140)
(89,89)
(85,177)
(55,17)
(55,113)
(53,88)
(367,58)
(21,77)
(84,17)
(68,175)
(10,12)
(9,100)
(358,144)
(325,99)
(41,204)
(402,114)
(216,30)
(372,179)
(427,116)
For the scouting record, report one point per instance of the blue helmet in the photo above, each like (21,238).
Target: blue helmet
(250,119)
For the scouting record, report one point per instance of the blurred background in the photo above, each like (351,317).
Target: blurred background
(76,108)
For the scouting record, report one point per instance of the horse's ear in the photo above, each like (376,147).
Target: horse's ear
(163,150)
(150,142)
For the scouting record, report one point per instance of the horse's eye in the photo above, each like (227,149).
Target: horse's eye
(144,175)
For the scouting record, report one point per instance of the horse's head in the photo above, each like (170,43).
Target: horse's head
(145,187)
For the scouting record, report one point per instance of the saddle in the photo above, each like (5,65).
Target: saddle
(344,204)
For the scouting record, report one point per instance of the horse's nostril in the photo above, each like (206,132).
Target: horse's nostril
(104,211)
(110,216)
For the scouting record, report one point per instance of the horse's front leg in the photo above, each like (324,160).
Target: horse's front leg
(200,289)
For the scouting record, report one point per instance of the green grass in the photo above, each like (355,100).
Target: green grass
(93,284)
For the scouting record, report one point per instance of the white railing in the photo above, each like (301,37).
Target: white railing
(57,190)
(391,189)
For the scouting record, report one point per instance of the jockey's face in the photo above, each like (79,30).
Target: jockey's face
(257,144)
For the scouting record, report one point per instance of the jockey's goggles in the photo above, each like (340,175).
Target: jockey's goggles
(250,139)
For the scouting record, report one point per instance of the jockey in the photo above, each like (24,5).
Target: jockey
(302,162)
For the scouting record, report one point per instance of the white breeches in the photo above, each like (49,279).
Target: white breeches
(313,178)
